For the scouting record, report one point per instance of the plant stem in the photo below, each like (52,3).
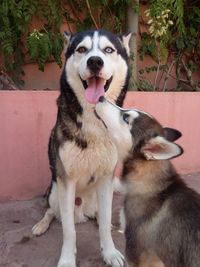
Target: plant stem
(167,75)
(92,17)
(155,81)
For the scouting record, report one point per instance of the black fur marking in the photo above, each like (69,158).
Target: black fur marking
(92,180)
(79,125)
(81,142)
(99,118)
(120,99)
(67,102)
(52,151)
(116,41)
(84,83)
(66,134)
(48,192)
(108,82)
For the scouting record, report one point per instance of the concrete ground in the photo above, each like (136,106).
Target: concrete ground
(19,248)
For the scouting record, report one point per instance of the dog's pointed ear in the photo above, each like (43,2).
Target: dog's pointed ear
(159,148)
(67,37)
(126,41)
(171,134)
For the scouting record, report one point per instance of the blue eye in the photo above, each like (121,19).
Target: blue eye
(126,117)
(81,49)
(109,50)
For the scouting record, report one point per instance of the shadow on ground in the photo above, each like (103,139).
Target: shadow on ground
(19,248)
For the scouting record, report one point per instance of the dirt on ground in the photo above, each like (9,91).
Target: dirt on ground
(19,248)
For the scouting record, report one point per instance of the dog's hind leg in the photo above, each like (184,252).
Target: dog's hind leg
(41,227)
(52,212)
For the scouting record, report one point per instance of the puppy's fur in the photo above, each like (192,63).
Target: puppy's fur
(82,156)
(161,215)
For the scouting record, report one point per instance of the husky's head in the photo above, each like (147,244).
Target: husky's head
(138,133)
(96,64)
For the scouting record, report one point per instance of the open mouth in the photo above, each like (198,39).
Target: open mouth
(95,87)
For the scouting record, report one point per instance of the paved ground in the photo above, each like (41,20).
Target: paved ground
(19,248)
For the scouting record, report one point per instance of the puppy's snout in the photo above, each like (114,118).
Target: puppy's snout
(101,99)
(95,64)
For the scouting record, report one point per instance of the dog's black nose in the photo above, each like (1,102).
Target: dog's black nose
(101,99)
(95,64)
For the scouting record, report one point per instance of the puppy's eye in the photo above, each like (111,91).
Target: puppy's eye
(126,117)
(81,49)
(109,50)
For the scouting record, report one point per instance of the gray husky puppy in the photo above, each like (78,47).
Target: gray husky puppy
(161,215)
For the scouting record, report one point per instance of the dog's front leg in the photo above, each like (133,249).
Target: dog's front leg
(66,194)
(105,194)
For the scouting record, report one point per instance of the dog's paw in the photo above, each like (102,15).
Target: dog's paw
(66,263)
(113,258)
(40,227)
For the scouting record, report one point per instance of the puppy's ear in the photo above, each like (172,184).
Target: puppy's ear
(67,37)
(171,134)
(159,148)
(125,41)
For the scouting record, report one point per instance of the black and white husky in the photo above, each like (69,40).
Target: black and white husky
(82,155)
(161,215)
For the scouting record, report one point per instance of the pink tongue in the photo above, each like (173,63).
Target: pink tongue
(94,90)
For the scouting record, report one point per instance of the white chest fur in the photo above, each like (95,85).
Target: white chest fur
(97,160)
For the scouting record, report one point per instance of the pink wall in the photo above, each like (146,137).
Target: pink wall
(26,119)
